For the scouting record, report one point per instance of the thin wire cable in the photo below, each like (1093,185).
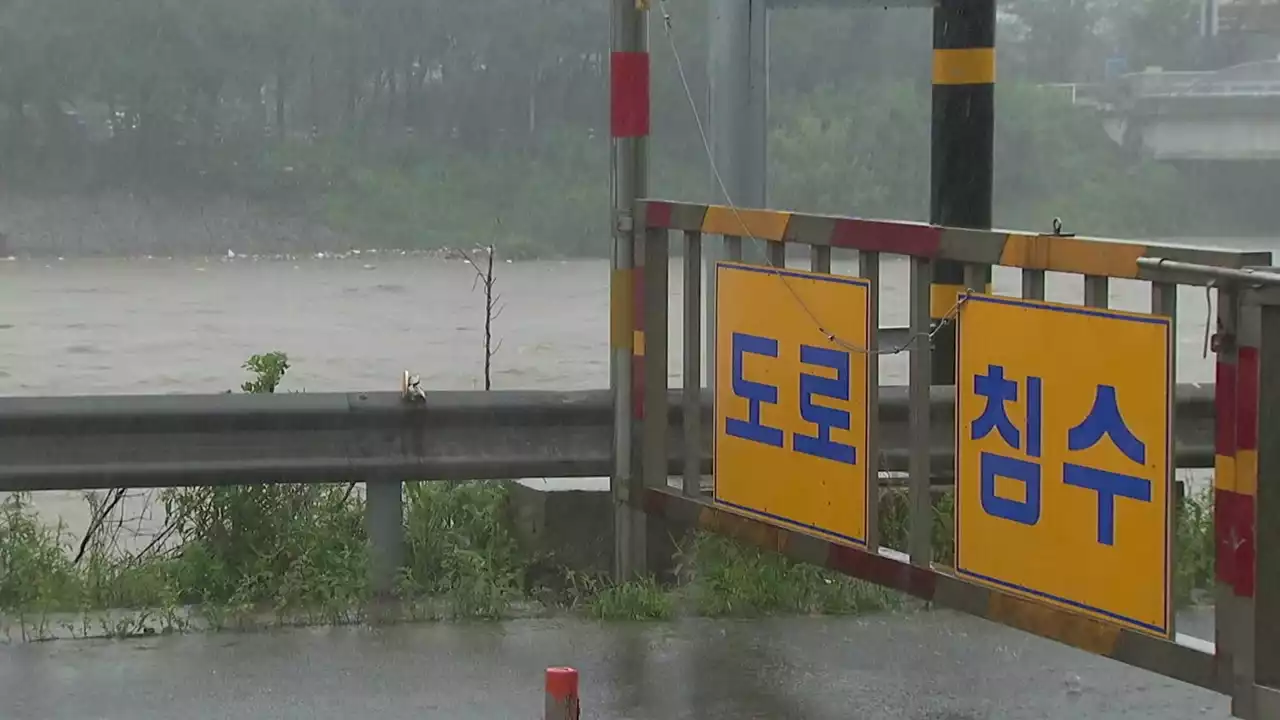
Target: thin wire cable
(946,319)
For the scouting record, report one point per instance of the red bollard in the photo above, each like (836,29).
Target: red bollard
(562,694)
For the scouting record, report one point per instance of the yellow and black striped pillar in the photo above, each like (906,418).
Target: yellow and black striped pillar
(964,77)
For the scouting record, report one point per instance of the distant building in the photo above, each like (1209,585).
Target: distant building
(1240,31)
(1242,16)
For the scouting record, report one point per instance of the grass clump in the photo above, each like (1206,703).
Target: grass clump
(718,577)
(34,569)
(642,599)
(460,548)
(277,547)
(1193,539)
(729,579)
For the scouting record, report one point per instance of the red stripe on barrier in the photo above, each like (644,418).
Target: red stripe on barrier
(1247,399)
(882,571)
(629,94)
(1224,403)
(1224,566)
(657,214)
(655,503)
(877,236)
(1233,522)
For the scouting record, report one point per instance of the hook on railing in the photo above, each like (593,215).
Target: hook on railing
(411,388)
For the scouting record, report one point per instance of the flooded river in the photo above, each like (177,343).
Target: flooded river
(93,327)
(163,326)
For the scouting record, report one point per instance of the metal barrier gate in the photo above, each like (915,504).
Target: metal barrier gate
(1062,429)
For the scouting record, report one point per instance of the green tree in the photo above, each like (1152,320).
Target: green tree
(1163,33)
(1053,40)
(415,123)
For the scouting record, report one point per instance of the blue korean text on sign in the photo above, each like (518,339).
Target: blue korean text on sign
(1063,457)
(791,402)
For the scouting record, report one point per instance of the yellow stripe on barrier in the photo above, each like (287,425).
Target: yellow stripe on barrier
(1072,255)
(944,298)
(967,66)
(1085,633)
(1224,473)
(637,342)
(1247,472)
(620,298)
(759,224)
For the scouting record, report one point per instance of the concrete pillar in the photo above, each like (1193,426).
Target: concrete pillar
(737,126)
(384,520)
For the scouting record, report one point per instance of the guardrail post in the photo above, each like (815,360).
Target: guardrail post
(869,268)
(920,539)
(384,521)
(1266,626)
(691,396)
(657,551)
(562,694)
(1235,481)
(1224,463)
(737,127)
(1164,301)
(964,67)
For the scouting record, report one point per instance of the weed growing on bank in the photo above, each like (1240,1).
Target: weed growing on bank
(229,557)
(729,579)
(1193,564)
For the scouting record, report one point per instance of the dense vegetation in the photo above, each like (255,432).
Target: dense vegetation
(288,554)
(235,556)
(418,123)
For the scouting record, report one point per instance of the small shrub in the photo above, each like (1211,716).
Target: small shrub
(35,572)
(459,547)
(1193,568)
(634,600)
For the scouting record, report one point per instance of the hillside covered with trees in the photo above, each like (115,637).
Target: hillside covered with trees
(423,123)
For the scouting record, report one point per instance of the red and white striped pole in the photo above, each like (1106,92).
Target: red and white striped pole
(562,694)
(629,136)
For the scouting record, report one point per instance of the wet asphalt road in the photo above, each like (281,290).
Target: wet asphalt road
(926,666)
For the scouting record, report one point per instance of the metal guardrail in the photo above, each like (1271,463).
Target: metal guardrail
(177,440)
(143,441)
(1164,85)
(1199,83)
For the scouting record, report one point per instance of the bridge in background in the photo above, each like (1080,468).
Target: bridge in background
(1228,116)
